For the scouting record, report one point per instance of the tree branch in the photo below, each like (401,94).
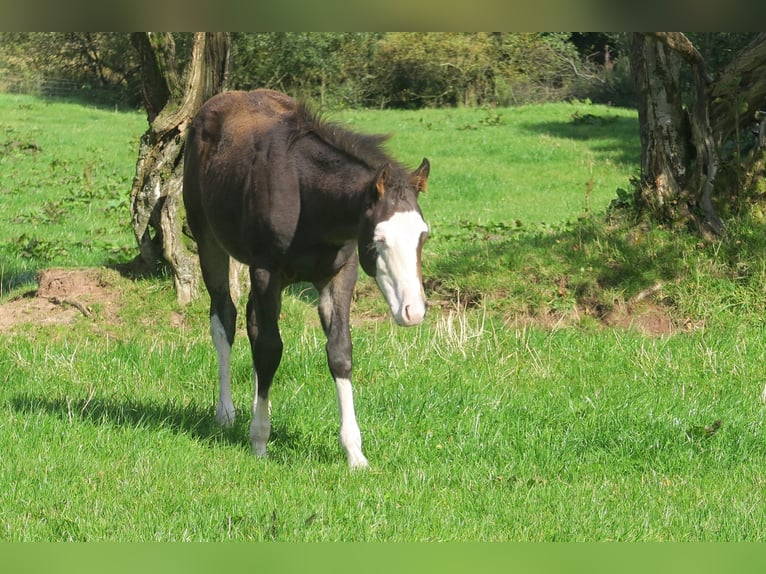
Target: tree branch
(570,62)
(678,42)
(159,75)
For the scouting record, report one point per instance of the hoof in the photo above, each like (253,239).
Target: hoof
(225,416)
(357,461)
(258,450)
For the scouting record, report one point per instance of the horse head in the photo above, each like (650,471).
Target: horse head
(393,233)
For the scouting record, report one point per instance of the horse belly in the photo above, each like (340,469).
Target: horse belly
(252,238)
(318,262)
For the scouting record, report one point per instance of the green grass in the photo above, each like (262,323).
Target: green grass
(522,166)
(484,423)
(65,179)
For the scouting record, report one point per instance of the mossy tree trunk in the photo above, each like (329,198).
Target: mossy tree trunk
(679,159)
(738,116)
(682,147)
(740,91)
(171,100)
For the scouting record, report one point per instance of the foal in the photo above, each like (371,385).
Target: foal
(296,198)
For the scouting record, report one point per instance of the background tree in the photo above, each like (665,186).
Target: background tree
(171,99)
(417,69)
(364,69)
(738,102)
(332,68)
(679,161)
(684,145)
(98,67)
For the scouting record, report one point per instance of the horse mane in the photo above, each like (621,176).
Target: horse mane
(366,148)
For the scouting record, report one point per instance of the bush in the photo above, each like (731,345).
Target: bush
(607,86)
(330,68)
(403,70)
(416,69)
(99,67)
(432,69)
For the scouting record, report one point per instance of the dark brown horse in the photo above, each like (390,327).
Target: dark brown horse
(298,199)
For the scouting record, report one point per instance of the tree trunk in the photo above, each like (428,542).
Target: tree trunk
(156,202)
(738,115)
(678,154)
(740,91)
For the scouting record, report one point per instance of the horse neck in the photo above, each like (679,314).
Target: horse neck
(338,196)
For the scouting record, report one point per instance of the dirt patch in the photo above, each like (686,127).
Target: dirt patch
(65,295)
(62,296)
(647,317)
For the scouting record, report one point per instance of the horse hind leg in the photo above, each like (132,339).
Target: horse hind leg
(214,262)
(263,308)
(222,320)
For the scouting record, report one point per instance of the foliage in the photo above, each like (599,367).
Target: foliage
(447,69)
(93,66)
(432,69)
(409,70)
(337,69)
(602,80)
(719,48)
(359,69)
(317,65)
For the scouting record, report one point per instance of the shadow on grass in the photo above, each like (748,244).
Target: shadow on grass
(13,277)
(285,446)
(586,260)
(614,136)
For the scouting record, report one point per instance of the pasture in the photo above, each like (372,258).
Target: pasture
(576,379)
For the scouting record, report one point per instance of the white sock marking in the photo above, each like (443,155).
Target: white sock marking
(350,435)
(224,412)
(260,427)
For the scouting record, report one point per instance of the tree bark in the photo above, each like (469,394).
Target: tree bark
(156,202)
(679,158)
(740,91)
(664,152)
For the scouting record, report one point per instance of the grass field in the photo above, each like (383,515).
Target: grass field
(575,380)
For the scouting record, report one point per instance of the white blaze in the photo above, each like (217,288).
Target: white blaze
(397,273)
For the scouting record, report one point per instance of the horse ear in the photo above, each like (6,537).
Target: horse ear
(380,180)
(421,175)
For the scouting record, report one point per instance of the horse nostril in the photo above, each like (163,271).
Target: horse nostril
(407,312)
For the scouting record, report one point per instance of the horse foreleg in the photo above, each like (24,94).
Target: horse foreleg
(350,435)
(260,426)
(334,310)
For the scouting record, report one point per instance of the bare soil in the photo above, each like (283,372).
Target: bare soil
(64,295)
(646,317)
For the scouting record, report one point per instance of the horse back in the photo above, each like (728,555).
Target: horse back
(232,117)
